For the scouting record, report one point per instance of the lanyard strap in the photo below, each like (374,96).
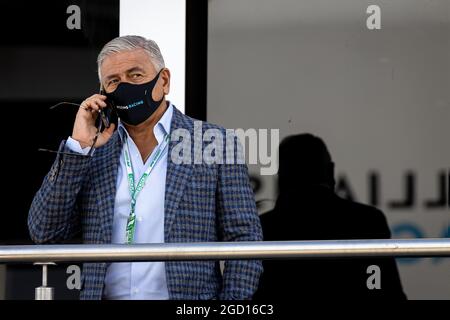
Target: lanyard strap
(135,190)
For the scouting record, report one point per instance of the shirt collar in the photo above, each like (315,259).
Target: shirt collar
(161,128)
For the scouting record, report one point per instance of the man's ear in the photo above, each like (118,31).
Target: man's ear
(165,77)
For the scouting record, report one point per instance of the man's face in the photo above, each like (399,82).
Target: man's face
(132,66)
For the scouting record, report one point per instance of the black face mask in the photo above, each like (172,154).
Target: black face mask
(133,102)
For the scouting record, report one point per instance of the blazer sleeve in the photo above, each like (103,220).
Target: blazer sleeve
(53,215)
(238,221)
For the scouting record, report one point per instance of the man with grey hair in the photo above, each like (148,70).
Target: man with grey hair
(122,186)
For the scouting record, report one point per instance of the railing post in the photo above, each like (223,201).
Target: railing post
(44,292)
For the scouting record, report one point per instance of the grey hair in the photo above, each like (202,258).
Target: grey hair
(124,43)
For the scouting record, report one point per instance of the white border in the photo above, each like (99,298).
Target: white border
(165,22)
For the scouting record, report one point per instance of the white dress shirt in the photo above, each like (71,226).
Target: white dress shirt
(138,280)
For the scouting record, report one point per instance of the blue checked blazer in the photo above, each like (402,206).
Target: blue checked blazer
(203,202)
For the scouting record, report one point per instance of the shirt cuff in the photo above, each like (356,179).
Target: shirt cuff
(75,146)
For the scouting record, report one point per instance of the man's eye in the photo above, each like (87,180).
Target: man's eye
(112,82)
(136,75)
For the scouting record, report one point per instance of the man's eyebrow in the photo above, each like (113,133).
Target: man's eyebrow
(134,69)
(110,77)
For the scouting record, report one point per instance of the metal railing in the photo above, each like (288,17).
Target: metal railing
(50,254)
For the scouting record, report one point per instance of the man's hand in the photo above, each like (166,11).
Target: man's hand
(84,129)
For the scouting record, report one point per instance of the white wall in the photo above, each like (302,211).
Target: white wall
(165,23)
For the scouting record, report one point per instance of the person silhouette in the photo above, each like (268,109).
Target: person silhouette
(307,208)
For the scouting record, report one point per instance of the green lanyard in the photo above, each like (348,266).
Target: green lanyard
(134,190)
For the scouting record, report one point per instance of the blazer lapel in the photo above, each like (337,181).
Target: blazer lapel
(108,165)
(177,174)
